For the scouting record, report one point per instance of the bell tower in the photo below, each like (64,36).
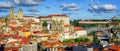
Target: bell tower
(12,11)
(20,13)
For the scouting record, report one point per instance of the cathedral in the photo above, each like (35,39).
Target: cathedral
(14,19)
(13,15)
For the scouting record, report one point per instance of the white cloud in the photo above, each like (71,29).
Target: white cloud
(6,4)
(95,7)
(109,7)
(27,2)
(72,5)
(33,9)
(67,7)
(104,8)
(64,5)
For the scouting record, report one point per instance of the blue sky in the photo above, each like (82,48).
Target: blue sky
(76,9)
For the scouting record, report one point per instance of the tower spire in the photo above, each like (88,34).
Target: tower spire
(20,12)
(12,11)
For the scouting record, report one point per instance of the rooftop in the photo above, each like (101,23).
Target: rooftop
(50,16)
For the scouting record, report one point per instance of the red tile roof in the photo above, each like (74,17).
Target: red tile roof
(52,44)
(13,28)
(25,40)
(50,16)
(38,32)
(13,22)
(66,25)
(115,47)
(106,50)
(79,28)
(12,49)
(57,15)
(40,23)
(46,17)
(61,50)
(1,36)
(96,49)
(24,30)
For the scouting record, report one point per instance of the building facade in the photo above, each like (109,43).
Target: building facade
(13,15)
(56,22)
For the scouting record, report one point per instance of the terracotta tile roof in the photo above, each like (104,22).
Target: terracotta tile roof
(115,47)
(61,50)
(25,40)
(50,16)
(79,28)
(38,32)
(12,49)
(24,30)
(46,17)
(13,36)
(71,45)
(52,38)
(27,25)
(52,44)
(12,22)
(1,36)
(57,15)
(96,49)
(19,27)
(66,25)
(39,23)
(13,28)
(106,50)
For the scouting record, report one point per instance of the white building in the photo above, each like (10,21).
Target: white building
(52,20)
(79,31)
(30,47)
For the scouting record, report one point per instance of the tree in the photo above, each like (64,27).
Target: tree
(39,17)
(75,22)
(45,23)
(96,39)
(86,40)
(78,39)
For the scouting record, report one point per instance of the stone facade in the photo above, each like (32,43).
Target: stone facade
(56,22)
(13,15)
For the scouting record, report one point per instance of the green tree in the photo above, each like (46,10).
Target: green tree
(39,17)
(45,23)
(67,40)
(116,20)
(75,22)
(86,40)
(78,39)
(96,39)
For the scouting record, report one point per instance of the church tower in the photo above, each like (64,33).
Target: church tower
(12,11)
(12,14)
(20,13)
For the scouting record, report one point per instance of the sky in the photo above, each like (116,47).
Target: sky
(75,9)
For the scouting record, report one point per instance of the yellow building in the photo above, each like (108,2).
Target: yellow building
(24,33)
